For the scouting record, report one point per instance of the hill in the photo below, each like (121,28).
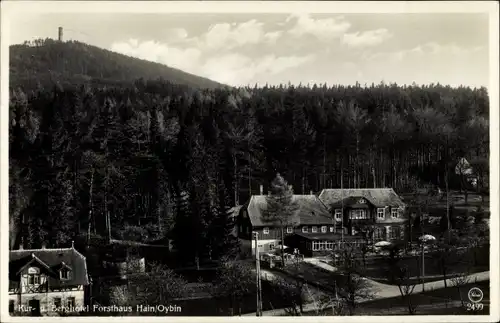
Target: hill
(46,61)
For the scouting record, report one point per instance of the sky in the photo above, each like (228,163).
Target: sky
(247,49)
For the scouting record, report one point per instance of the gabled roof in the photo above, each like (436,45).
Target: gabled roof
(354,201)
(52,260)
(310,211)
(27,261)
(379,197)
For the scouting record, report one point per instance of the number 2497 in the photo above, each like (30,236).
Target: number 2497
(474,306)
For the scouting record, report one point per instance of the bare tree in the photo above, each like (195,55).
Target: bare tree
(328,305)
(351,286)
(159,285)
(367,233)
(459,281)
(406,287)
(447,255)
(233,282)
(292,291)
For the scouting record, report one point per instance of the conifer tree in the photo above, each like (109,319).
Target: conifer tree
(281,208)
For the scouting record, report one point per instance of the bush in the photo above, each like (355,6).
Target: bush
(134,233)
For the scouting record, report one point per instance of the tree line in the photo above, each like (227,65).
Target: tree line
(43,61)
(159,159)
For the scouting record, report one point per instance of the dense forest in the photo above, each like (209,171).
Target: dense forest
(154,159)
(42,61)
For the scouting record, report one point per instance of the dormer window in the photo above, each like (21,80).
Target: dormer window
(64,273)
(361,201)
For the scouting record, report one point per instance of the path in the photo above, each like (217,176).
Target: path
(386,290)
(381,290)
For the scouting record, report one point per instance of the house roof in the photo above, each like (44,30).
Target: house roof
(310,211)
(52,260)
(379,197)
(327,236)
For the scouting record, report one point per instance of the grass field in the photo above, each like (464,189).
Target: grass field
(445,301)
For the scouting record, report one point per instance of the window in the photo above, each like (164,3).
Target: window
(362,201)
(57,302)
(358,214)
(271,246)
(338,214)
(322,245)
(266,230)
(394,233)
(314,229)
(289,230)
(71,302)
(394,213)
(12,304)
(323,229)
(64,273)
(380,213)
(331,229)
(33,276)
(244,214)
(304,229)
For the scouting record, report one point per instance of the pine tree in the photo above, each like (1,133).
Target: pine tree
(281,208)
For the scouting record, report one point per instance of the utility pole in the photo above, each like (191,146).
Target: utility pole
(423,266)
(108,222)
(342,200)
(257,266)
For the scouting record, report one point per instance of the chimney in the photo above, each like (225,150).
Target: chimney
(262,190)
(268,193)
(60,34)
(44,245)
(72,244)
(21,246)
(311,192)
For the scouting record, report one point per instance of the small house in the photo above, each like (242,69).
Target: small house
(47,281)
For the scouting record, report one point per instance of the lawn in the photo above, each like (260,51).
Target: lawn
(445,301)
(313,275)
(376,268)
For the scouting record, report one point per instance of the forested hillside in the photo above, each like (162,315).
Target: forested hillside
(160,158)
(48,61)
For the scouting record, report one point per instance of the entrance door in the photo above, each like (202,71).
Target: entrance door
(34,305)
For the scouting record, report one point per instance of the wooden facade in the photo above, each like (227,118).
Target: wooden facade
(47,282)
